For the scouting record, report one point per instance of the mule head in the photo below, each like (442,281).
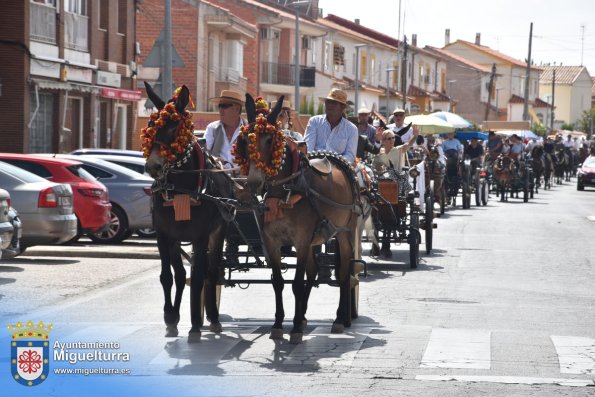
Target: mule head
(260,148)
(169,131)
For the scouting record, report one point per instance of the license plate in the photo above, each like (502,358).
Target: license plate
(65,201)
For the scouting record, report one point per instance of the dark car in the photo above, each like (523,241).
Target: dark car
(114,152)
(585,175)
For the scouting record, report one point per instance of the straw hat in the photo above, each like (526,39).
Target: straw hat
(364,111)
(337,95)
(399,110)
(229,96)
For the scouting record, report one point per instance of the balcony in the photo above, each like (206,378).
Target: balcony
(283,74)
(42,26)
(76,30)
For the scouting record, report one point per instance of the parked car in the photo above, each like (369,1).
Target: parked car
(6,228)
(91,200)
(585,175)
(45,207)
(136,164)
(115,152)
(129,193)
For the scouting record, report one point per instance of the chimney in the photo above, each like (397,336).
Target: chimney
(446,37)
(478,38)
(414,39)
(357,21)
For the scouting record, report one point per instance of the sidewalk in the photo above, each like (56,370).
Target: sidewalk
(131,248)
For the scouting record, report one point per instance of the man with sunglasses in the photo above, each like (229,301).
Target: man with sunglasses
(399,127)
(220,135)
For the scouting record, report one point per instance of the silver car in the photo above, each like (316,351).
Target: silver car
(6,228)
(45,207)
(129,193)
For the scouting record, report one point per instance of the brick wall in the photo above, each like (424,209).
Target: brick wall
(184,15)
(14,27)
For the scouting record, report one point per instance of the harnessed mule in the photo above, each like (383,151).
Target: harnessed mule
(309,202)
(186,208)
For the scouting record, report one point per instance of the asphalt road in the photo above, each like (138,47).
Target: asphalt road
(502,306)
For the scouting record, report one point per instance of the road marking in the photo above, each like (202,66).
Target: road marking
(509,380)
(457,348)
(576,354)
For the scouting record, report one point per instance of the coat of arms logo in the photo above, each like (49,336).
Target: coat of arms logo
(30,358)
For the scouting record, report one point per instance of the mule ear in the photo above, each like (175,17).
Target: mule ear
(250,108)
(158,102)
(183,99)
(272,117)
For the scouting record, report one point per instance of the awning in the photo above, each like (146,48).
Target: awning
(65,86)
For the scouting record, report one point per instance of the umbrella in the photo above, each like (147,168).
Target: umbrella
(454,119)
(524,134)
(428,124)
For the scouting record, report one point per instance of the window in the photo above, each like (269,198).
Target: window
(32,167)
(103,14)
(395,74)
(363,64)
(46,2)
(76,6)
(326,65)
(122,16)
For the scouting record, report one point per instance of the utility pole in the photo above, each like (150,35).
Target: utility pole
(490,87)
(553,96)
(526,104)
(404,72)
(166,80)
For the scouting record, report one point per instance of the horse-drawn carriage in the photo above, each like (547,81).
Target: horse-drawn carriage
(305,203)
(511,177)
(474,183)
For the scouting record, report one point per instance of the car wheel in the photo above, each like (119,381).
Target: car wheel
(146,233)
(117,230)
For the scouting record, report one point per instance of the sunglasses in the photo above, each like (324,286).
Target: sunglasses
(225,105)
(399,115)
(392,138)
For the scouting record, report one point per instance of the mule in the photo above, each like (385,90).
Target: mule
(537,165)
(309,202)
(503,175)
(183,210)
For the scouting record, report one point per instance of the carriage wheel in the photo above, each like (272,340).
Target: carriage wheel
(442,199)
(414,238)
(526,188)
(429,221)
(465,195)
(484,192)
(477,192)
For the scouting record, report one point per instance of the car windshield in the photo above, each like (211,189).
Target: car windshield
(82,173)
(20,173)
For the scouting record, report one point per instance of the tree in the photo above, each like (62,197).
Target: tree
(587,121)
(567,126)
(539,129)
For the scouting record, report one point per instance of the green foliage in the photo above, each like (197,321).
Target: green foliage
(304,106)
(584,123)
(567,126)
(539,129)
(311,107)
(320,109)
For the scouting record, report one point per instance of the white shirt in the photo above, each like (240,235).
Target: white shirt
(342,139)
(406,137)
(225,154)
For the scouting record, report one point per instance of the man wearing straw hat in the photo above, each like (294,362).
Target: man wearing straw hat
(331,131)
(222,134)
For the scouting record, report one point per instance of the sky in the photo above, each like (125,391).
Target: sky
(563,30)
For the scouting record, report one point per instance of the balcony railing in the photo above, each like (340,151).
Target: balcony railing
(76,30)
(283,74)
(42,23)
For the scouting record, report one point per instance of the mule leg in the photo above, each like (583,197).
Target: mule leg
(179,279)
(170,317)
(214,266)
(345,253)
(298,287)
(196,285)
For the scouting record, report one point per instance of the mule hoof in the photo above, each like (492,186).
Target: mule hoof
(304,323)
(295,339)
(276,333)
(171,331)
(194,336)
(337,328)
(188,281)
(216,327)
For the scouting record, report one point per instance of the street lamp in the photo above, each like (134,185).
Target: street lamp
(357,47)
(497,108)
(450,94)
(387,92)
(296,71)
